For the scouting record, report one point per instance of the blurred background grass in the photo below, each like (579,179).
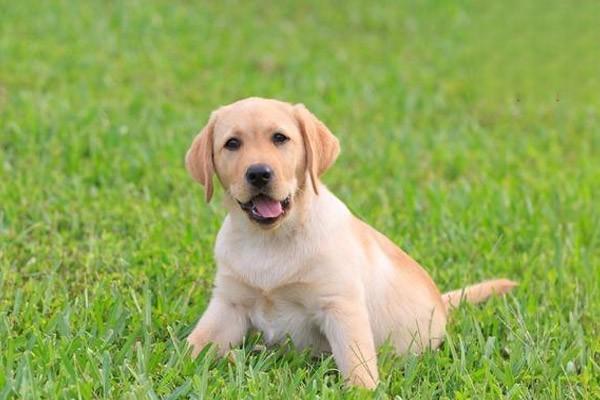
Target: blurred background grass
(470,135)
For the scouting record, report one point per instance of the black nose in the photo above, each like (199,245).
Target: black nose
(258,175)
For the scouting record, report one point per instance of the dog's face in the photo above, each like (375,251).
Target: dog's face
(263,152)
(259,158)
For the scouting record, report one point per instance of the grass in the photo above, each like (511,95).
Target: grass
(470,135)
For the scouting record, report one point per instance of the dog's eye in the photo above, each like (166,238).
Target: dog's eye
(233,144)
(279,138)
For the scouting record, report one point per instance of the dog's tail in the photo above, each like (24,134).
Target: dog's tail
(478,292)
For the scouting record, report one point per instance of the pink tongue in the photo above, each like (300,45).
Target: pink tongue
(268,208)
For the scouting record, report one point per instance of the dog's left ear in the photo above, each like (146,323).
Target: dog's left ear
(199,158)
(322,148)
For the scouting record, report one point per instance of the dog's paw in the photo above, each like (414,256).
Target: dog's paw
(195,344)
(365,382)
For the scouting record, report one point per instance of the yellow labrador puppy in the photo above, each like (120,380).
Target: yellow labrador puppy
(293,260)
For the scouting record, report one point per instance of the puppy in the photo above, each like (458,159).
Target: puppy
(291,258)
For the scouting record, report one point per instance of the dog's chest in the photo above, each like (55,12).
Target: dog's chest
(264,264)
(278,316)
(271,278)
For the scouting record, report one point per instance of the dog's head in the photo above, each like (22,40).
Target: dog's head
(264,152)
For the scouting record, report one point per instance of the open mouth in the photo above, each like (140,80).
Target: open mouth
(264,209)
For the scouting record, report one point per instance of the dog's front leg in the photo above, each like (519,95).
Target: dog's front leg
(347,328)
(223,324)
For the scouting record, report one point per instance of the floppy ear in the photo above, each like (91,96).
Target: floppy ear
(322,148)
(199,157)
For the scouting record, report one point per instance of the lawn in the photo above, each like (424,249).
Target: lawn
(470,135)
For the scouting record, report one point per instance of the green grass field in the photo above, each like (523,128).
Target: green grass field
(470,135)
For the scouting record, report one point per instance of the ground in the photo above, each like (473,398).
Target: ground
(470,135)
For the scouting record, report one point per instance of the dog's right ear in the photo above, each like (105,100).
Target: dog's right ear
(199,158)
